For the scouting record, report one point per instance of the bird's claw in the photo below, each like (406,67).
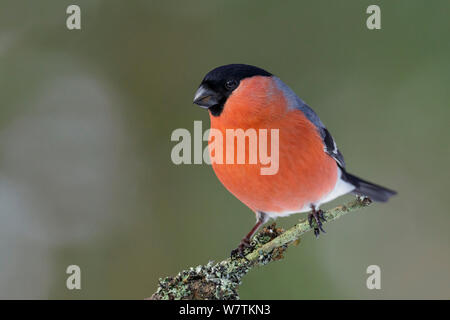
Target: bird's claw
(318,217)
(239,251)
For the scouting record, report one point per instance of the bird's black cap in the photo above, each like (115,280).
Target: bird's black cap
(220,82)
(235,72)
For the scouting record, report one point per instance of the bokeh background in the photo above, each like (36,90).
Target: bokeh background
(86,117)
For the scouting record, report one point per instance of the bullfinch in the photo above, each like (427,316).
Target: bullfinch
(311,169)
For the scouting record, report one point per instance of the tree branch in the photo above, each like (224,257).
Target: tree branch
(221,280)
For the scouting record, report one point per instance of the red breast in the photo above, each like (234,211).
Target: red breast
(305,174)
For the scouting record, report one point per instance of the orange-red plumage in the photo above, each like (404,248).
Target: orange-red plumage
(306,173)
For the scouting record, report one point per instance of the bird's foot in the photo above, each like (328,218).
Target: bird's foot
(240,250)
(318,217)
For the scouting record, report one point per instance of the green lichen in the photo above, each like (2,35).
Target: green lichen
(221,280)
(217,280)
(210,281)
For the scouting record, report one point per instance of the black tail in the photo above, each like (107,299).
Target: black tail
(365,188)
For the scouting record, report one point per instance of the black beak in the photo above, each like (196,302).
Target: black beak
(206,97)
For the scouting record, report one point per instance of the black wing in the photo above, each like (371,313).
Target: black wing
(331,148)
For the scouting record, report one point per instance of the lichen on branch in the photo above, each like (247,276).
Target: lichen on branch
(221,280)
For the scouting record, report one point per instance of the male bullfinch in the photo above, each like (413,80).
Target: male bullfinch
(311,169)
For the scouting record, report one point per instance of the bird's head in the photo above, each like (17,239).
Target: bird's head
(220,83)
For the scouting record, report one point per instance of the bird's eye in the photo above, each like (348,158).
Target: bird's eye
(231,84)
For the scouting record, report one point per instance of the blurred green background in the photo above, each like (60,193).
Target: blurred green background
(86,116)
